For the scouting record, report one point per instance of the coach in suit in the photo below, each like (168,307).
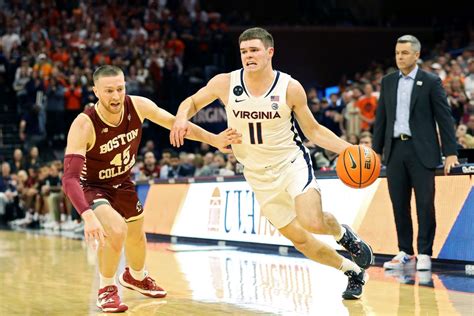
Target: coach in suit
(411,102)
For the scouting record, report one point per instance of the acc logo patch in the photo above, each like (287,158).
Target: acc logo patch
(275,106)
(238,90)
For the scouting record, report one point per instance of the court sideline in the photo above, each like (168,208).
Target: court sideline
(55,275)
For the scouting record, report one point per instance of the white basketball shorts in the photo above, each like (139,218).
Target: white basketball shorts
(277,187)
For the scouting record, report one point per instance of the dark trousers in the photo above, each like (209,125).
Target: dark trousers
(404,172)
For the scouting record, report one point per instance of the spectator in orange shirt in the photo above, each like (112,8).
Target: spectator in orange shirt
(367,105)
(43,66)
(176,44)
(61,55)
(72,97)
(455,73)
(101,59)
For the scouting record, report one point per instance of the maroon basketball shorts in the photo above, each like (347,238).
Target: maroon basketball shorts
(123,199)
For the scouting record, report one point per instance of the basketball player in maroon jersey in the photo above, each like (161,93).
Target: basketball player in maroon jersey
(101,149)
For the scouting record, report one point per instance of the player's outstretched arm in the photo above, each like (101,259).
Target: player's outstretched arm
(215,88)
(148,109)
(81,134)
(316,133)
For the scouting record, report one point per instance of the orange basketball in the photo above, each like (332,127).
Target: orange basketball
(358,166)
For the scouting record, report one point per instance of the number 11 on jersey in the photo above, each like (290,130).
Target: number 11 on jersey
(257,129)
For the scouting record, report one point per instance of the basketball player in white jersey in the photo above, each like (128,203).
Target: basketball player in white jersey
(262,104)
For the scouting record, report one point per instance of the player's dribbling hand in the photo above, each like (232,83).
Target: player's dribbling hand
(227,137)
(179,130)
(94,233)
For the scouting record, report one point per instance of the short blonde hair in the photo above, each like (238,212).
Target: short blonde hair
(106,71)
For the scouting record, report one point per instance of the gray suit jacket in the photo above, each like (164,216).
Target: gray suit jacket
(428,106)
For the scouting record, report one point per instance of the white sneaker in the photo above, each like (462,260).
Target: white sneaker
(79,229)
(423,263)
(425,278)
(400,261)
(403,276)
(69,225)
(56,227)
(49,225)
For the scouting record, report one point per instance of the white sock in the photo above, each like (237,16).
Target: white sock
(348,265)
(343,231)
(137,275)
(106,281)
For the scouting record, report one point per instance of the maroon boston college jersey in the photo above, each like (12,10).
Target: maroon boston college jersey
(114,151)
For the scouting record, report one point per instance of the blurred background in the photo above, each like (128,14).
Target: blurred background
(338,50)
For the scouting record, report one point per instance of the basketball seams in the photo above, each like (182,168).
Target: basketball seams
(373,170)
(344,154)
(360,167)
(348,163)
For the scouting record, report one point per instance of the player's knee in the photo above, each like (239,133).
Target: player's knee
(306,246)
(117,234)
(316,226)
(330,220)
(301,241)
(120,231)
(301,245)
(136,238)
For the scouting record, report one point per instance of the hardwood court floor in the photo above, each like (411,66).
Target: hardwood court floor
(53,275)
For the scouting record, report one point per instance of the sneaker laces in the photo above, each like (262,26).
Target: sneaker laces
(150,283)
(111,294)
(354,282)
(351,245)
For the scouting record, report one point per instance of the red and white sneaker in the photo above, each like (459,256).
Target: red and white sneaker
(109,300)
(146,287)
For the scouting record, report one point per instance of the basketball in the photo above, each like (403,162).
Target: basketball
(358,166)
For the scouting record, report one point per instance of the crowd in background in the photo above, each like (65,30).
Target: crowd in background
(31,195)
(166,49)
(48,55)
(351,113)
(48,52)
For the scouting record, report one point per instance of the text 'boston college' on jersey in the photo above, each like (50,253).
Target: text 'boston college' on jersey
(113,153)
(269,136)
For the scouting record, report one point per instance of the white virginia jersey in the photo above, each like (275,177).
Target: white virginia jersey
(269,136)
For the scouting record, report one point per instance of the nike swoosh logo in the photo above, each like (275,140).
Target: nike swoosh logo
(353,163)
(237,100)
